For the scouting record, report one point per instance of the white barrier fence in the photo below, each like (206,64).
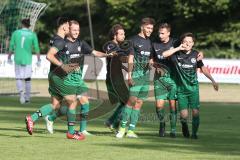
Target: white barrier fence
(222,70)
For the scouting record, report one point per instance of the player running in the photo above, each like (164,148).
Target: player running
(76,49)
(58,89)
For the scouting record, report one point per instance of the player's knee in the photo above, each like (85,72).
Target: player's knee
(195,112)
(131,101)
(28,79)
(84,99)
(56,105)
(159,104)
(138,104)
(184,113)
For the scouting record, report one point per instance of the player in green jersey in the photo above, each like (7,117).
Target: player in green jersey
(21,44)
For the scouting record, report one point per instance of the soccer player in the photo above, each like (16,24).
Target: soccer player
(58,88)
(76,49)
(138,77)
(117,89)
(22,42)
(164,83)
(185,62)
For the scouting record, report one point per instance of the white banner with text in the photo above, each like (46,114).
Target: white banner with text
(222,70)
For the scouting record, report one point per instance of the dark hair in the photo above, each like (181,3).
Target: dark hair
(73,22)
(147,20)
(187,34)
(61,21)
(165,25)
(26,22)
(114,30)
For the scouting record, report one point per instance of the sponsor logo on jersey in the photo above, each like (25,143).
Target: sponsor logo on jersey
(160,56)
(145,53)
(187,66)
(74,55)
(193,60)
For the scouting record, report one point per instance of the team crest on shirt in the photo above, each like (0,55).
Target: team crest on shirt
(193,60)
(67,52)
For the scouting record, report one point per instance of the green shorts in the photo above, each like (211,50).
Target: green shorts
(164,88)
(188,99)
(140,88)
(57,87)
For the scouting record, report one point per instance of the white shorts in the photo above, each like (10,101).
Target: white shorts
(23,71)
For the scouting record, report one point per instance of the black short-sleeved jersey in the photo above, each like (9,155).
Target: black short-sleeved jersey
(58,43)
(186,66)
(75,54)
(142,51)
(159,48)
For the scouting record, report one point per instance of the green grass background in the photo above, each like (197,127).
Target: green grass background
(219,136)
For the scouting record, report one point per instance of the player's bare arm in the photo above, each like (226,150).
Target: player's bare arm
(130,68)
(51,56)
(174,50)
(101,54)
(206,72)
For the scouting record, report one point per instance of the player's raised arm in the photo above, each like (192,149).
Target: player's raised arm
(172,51)
(101,54)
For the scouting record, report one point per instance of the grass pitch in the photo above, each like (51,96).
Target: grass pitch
(219,136)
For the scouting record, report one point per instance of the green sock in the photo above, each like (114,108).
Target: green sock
(52,116)
(161,114)
(43,111)
(125,116)
(134,119)
(63,110)
(118,117)
(195,124)
(115,114)
(84,115)
(173,120)
(71,117)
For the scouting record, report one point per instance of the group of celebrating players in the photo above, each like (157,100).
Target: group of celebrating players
(174,62)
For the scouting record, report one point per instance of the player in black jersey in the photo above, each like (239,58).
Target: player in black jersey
(76,49)
(185,62)
(117,89)
(55,55)
(164,82)
(138,77)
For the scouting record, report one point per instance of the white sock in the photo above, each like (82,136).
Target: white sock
(27,90)
(19,84)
